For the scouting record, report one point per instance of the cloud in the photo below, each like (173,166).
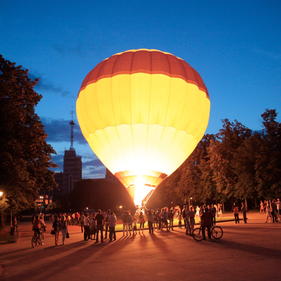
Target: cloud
(58,130)
(93,163)
(58,159)
(93,171)
(45,85)
(92,167)
(78,49)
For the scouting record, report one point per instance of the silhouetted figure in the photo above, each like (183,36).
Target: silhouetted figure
(150,219)
(106,223)
(112,223)
(186,217)
(191,215)
(100,221)
(56,228)
(206,223)
(274,211)
(214,213)
(244,212)
(236,213)
(141,221)
(86,226)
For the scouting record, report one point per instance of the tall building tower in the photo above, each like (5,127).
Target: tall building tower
(72,164)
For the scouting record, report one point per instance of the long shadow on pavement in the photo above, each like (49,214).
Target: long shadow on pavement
(57,265)
(63,263)
(9,253)
(269,253)
(39,253)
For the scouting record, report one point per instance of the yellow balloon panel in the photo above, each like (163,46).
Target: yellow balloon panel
(141,148)
(145,99)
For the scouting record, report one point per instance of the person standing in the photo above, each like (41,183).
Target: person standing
(86,226)
(82,219)
(150,219)
(106,223)
(244,211)
(64,228)
(43,227)
(112,223)
(56,228)
(262,207)
(187,221)
(100,222)
(274,211)
(130,223)
(236,213)
(219,209)
(206,222)
(93,227)
(171,218)
(36,226)
(214,213)
(191,216)
(278,205)
(268,211)
(141,221)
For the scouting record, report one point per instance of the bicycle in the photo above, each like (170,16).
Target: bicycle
(36,239)
(216,233)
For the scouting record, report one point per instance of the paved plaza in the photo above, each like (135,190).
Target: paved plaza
(247,252)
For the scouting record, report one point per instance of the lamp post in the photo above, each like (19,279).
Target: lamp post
(2,207)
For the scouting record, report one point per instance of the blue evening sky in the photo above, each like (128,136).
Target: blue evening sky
(234,45)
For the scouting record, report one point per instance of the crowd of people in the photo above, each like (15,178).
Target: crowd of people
(100,225)
(272,210)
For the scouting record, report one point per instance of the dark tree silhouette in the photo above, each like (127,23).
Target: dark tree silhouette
(24,153)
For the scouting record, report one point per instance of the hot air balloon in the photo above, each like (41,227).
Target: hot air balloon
(143,112)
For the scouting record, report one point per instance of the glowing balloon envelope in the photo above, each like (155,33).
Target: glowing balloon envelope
(143,112)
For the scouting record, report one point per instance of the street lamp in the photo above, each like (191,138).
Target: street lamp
(2,207)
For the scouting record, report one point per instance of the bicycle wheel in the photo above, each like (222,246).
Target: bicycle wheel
(33,242)
(197,234)
(217,232)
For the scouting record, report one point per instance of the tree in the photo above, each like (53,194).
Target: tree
(25,155)
(244,165)
(268,162)
(197,177)
(222,156)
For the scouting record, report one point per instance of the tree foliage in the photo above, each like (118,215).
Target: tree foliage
(235,163)
(24,153)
